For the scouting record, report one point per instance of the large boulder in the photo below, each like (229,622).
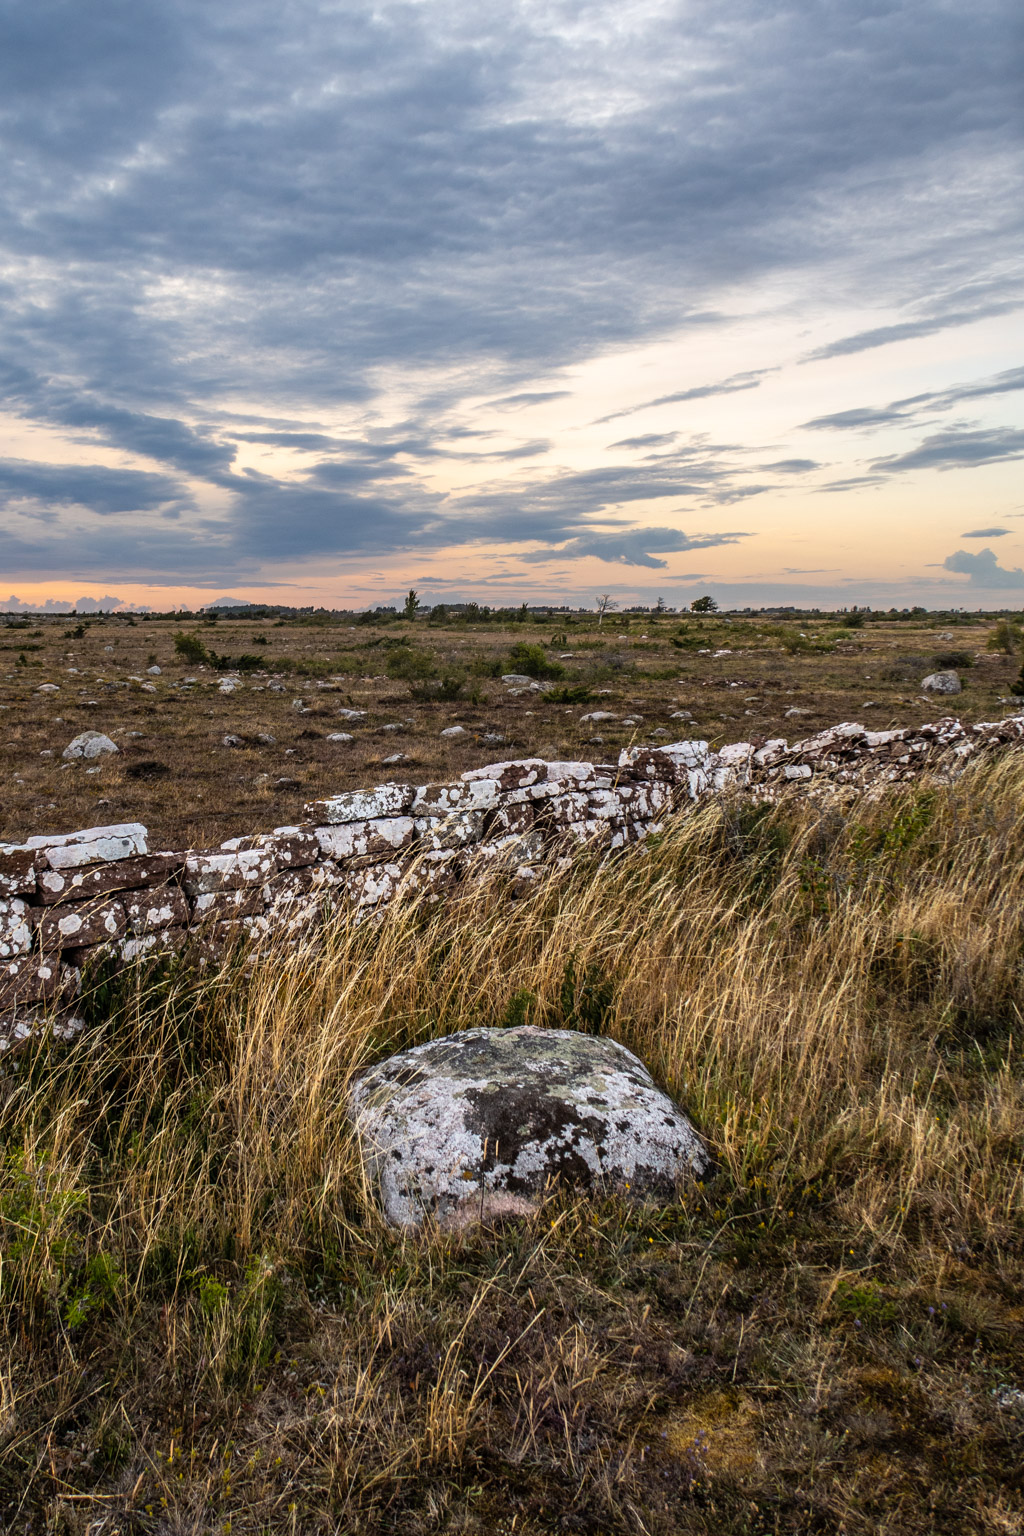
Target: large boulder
(941,682)
(89,744)
(484,1123)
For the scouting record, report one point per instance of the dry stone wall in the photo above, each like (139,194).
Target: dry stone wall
(70,899)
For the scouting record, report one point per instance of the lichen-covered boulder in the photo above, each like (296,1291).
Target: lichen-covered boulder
(484,1123)
(89,744)
(941,682)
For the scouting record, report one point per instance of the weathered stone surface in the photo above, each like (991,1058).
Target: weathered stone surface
(29,979)
(485,1122)
(15,927)
(17,870)
(93,845)
(88,745)
(57,885)
(216,906)
(208,872)
(92,923)
(941,682)
(362,804)
(366,839)
(162,906)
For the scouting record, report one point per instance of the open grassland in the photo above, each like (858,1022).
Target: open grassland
(659,677)
(207,1328)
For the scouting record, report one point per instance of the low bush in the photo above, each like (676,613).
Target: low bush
(533,661)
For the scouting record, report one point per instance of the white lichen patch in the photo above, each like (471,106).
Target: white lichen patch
(492,1119)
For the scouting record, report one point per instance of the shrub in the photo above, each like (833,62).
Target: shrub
(946,659)
(192,650)
(532,661)
(413,666)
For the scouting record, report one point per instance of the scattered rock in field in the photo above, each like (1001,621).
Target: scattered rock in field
(47,688)
(942,682)
(352,714)
(261,780)
(633,721)
(46,752)
(154,671)
(454,730)
(791,714)
(300,706)
(396,757)
(108,647)
(493,738)
(597,716)
(147,687)
(89,744)
(681,714)
(661,731)
(265,739)
(287,784)
(227,685)
(392,726)
(595,741)
(232,741)
(340,736)
(516,679)
(484,1123)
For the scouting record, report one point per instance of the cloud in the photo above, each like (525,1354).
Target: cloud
(108,604)
(527,398)
(868,417)
(908,330)
(648,440)
(339,214)
(983,569)
(985,533)
(957,449)
(734,385)
(631,546)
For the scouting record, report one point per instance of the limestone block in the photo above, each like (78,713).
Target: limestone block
(90,744)
(453,831)
(291,847)
(83,923)
(92,845)
(122,875)
(366,839)
(941,682)
(27,979)
(217,906)
(17,869)
(15,927)
(209,872)
(362,804)
(159,907)
(485,1123)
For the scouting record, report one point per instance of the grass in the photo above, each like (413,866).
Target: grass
(205,1326)
(174,773)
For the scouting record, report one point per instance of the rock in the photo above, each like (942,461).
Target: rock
(516,679)
(232,741)
(89,744)
(597,716)
(352,714)
(396,757)
(681,714)
(300,706)
(340,736)
(942,682)
(265,739)
(154,671)
(47,688)
(484,1123)
(454,730)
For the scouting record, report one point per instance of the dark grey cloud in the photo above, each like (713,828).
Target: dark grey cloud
(648,440)
(984,570)
(792,466)
(632,546)
(528,397)
(959,448)
(984,533)
(295,206)
(911,330)
(868,417)
(732,386)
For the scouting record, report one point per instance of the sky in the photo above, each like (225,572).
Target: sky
(311,303)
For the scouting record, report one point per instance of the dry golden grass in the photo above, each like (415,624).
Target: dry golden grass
(207,1327)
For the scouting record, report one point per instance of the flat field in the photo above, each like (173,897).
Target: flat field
(205,1326)
(661,678)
